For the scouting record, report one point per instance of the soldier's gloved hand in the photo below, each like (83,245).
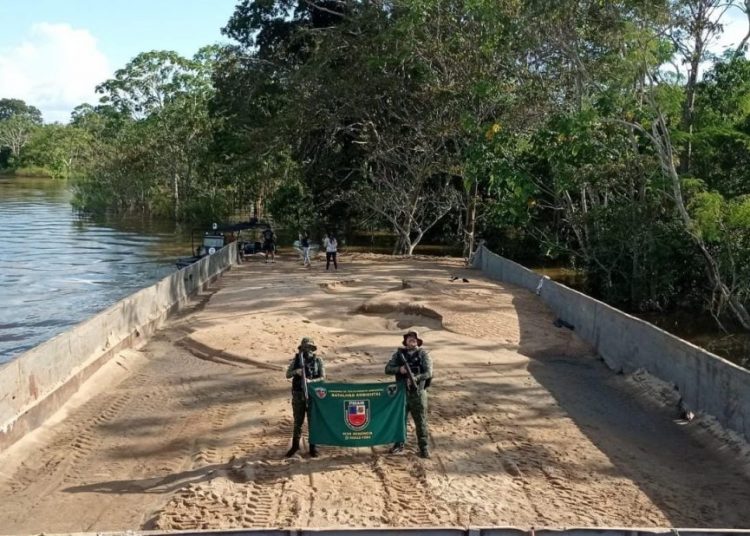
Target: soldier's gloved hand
(402,370)
(298,372)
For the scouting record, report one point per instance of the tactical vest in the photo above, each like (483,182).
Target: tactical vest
(312,371)
(416,364)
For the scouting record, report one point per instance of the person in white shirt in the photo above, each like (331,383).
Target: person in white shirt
(331,246)
(304,243)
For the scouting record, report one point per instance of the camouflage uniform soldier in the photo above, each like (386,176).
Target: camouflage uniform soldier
(420,364)
(314,372)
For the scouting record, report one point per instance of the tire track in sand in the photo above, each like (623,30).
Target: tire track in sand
(409,500)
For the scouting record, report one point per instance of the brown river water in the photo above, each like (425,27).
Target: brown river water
(57,268)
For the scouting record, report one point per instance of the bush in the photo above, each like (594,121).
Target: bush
(34,171)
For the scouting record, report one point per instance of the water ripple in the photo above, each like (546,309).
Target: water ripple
(57,269)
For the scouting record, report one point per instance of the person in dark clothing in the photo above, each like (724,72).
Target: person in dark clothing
(331,245)
(269,244)
(314,371)
(420,363)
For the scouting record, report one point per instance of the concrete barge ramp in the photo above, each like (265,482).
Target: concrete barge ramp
(528,427)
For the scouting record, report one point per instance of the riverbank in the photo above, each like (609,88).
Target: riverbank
(528,427)
(33,172)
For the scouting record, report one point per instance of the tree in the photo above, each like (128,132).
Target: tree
(155,110)
(421,85)
(15,133)
(722,130)
(152,80)
(16,107)
(61,149)
(694,26)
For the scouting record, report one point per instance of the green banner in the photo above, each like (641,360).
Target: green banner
(357,414)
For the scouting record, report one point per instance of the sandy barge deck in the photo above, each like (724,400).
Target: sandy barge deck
(528,427)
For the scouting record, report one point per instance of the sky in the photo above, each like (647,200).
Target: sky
(54,52)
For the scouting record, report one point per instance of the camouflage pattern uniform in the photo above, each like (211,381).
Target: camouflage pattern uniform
(314,372)
(420,364)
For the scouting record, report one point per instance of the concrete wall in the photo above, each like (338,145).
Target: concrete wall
(38,382)
(706,382)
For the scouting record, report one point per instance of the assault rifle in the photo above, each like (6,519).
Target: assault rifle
(409,371)
(304,375)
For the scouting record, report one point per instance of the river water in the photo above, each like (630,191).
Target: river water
(57,269)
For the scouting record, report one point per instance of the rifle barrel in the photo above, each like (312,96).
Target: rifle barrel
(304,375)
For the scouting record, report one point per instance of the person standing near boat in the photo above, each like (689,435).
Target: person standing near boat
(269,244)
(331,245)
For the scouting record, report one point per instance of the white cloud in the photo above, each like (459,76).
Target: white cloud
(55,69)
(735,27)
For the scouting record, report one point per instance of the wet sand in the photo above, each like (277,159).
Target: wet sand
(527,426)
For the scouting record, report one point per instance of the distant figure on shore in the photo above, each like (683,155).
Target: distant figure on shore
(304,243)
(269,244)
(331,245)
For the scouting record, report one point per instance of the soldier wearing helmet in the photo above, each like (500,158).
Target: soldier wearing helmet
(418,360)
(314,371)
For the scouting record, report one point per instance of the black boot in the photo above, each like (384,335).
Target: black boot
(313,451)
(397,448)
(295,447)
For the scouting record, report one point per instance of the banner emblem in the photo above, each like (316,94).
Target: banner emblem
(321,392)
(392,390)
(357,414)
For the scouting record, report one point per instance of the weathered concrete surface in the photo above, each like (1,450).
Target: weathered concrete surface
(38,382)
(706,382)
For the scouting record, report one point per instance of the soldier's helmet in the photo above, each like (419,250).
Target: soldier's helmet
(307,344)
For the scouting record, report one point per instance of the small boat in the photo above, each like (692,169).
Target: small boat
(220,235)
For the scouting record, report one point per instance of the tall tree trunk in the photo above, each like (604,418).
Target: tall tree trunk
(400,245)
(700,23)
(176,193)
(471,221)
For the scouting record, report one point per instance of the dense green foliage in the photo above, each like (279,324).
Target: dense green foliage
(550,130)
